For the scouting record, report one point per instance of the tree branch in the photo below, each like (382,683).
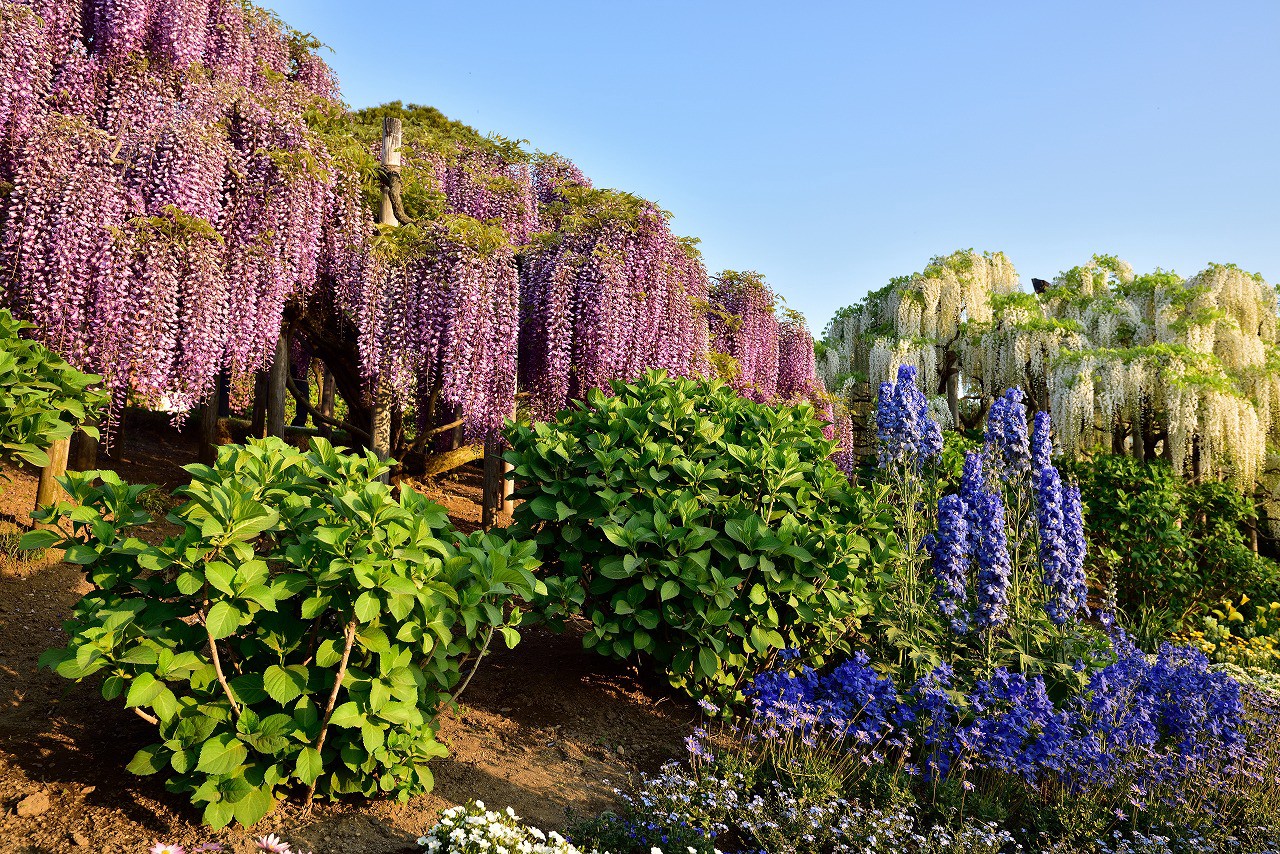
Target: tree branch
(333,699)
(479,658)
(151,719)
(421,439)
(392,180)
(305,403)
(217,664)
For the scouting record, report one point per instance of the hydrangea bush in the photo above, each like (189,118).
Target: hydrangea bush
(696,529)
(42,398)
(299,631)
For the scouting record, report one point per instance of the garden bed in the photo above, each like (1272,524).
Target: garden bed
(514,743)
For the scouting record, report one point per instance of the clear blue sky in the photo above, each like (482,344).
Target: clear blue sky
(832,146)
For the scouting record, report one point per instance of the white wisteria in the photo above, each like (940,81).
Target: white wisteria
(1150,365)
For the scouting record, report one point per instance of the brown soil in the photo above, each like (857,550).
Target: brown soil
(542,728)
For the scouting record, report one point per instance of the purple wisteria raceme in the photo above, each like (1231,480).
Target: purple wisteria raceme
(1008,447)
(743,326)
(904,430)
(614,296)
(951,552)
(844,455)
(159,218)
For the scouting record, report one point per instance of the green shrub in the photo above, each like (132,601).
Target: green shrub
(1166,546)
(42,398)
(694,528)
(292,571)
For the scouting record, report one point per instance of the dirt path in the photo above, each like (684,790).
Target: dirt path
(543,727)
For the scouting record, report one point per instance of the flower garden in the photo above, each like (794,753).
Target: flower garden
(980,570)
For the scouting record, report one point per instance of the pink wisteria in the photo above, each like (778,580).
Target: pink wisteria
(166,192)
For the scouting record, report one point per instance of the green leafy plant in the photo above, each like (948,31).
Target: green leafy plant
(299,632)
(42,398)
(695,529)
(1166,547)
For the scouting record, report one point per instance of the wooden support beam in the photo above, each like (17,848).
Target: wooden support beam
(48,491)
(438,464)
(276,379)
(493,494)
(84,452)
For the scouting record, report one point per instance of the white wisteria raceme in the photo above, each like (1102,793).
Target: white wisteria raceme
(904,322)
(1153,365)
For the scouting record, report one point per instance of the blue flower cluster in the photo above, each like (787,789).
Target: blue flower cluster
(1008,448)
(973,526)
(951,551)
(994,569)
(904,430)
(1154,720)
(1060,525)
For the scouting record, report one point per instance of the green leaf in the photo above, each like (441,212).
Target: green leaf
(81,554)
(221,576)
(223,620)
(347,715)
(670,589)
(707,662)
(367,607)
(253,807)
(309,766)
(149,760)
(284,685)
(218,814)
(221,755)
(314,606)
(39,540)
(143,691)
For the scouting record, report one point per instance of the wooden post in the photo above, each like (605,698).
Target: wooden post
(276,389)
(380,427)
(261,389)
(328,388)
(494,492)
(508,486)
(84,452)
(209,431)
(48,491)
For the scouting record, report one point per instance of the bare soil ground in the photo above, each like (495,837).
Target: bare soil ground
(544,727)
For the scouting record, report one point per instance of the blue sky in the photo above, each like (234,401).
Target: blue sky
(832,146)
